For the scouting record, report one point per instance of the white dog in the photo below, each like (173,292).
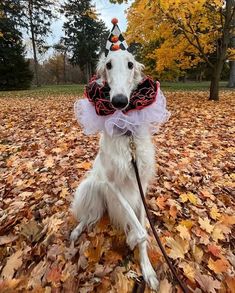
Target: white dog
(111,184)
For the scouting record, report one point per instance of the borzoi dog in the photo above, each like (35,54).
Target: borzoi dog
(111,184)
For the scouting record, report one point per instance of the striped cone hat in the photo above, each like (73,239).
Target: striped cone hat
(116,40)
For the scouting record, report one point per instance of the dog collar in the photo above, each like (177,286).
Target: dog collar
(99,95)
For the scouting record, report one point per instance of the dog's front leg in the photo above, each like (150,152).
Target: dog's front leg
(137,233)
(147,270)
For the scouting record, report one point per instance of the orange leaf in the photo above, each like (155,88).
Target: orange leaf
(161,202)
(218,266)
(54,275)
(230,281)
(214,249)
(84,165)
(228,220)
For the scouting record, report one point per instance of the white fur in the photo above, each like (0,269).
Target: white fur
(111,184)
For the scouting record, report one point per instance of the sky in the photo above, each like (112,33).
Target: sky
(106,10)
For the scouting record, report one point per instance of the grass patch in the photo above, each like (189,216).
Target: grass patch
(191,85)
(45,91)
(77,89)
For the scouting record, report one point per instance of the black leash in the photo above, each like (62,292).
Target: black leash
(133,155)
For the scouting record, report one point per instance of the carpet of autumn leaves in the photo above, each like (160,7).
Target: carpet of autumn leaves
(43,157)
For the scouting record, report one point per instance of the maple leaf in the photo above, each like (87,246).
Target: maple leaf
(14,262)
(49,162)
(184,233)
(189,197)
(5,239)
(207,283)
(85,166)
(205,225)
(218,266)
(228,220)
(214,213)
(178,247)
(54,275)
(214,249)
(165,286)
(37,274)
(161,202)
(187,223)
(122,284)
(230,281)
(217,233)
(197,253)
(32,230)
(189,270)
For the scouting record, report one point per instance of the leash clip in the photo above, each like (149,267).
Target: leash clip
(132,147)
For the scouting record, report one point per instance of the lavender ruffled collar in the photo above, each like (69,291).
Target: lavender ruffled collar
(146,111)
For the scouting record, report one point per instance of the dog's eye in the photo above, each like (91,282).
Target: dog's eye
(109,65)
(130,65)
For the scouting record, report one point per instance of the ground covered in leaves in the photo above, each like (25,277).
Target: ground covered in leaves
(43,157)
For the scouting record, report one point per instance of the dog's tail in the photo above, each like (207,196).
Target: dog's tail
(88,204)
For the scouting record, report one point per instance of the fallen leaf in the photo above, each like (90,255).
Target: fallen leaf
(85,165)
(189,197)
(5,239)
(214,213)
(178,247)
(219,266)
(14,262)
(161,202)
(165,286)
(207,283)
(189,270)
(49,162)
(214,249)
(205,225)
(184,233)
(230,281)
(32,230)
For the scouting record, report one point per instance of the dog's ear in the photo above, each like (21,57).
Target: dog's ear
(138,71)
(100,68)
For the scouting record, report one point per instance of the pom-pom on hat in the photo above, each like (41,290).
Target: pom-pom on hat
(116,40)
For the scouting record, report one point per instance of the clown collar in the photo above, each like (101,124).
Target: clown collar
(98,94)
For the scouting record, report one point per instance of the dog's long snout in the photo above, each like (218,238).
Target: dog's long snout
(119,101)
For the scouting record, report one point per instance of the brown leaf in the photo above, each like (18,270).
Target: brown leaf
(207,283)
(14,262)
(5,239)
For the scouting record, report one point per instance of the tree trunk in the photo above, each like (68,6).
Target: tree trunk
(222,46)
(214,86)
(64,67)
(33,42)
(87,72)
(231,82)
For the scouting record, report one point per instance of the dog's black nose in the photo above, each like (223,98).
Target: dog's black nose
(119,101)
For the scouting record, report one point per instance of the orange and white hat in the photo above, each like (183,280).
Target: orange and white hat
(116,40)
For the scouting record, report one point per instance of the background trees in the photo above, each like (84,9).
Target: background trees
(38,15)
(85,34)
(185,34)
(14,69)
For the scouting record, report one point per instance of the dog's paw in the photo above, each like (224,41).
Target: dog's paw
(134,237)
(75,234)
(150,277)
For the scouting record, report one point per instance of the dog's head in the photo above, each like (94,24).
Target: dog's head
(122,73)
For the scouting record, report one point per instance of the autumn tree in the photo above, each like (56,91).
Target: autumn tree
(84,34)
(61,48)
(189,32)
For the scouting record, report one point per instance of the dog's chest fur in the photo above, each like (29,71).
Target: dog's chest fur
(115,154)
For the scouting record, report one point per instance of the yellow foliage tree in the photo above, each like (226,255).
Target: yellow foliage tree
(186,33)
